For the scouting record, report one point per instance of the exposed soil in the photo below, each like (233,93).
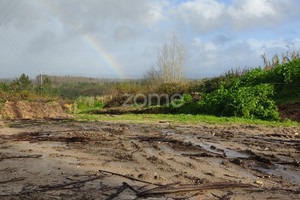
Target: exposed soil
(290,110)
(31,110)
(61,159)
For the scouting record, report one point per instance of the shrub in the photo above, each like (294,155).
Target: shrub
(184,105)
(281,74)
(248,102)
(5,87)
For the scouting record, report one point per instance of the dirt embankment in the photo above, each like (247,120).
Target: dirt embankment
(31,110)
(290,110)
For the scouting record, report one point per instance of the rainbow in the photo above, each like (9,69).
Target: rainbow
(87,39)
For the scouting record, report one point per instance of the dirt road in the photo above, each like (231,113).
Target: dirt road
(61,160)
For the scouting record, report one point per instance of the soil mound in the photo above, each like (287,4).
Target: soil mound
(30,110)
(290,110)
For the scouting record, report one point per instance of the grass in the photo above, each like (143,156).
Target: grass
(184,119)
(89,109)
(87,105)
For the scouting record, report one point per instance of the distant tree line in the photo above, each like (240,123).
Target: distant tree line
(23,88)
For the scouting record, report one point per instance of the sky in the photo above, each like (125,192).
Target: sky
(121,38)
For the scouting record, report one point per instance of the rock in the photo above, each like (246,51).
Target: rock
(259,182)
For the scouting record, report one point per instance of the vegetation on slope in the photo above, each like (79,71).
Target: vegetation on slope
(252,95)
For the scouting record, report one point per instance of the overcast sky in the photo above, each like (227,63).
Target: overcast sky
(113,38)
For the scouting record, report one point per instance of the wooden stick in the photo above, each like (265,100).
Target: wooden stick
(59,186)
(120,190)
(12,180)
(190,188)
(11,157)
(131,178)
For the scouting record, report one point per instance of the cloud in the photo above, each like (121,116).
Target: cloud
(221,39)
(267,13)
(203,15)
(43,42)
(210,58)
(211,15)
(109,12)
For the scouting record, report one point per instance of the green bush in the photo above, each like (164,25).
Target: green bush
(186,99)
(5,87)
(281,74)
(285,78)
(248,102)
(183,105)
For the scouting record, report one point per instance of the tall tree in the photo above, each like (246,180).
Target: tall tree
(171,59)
(22,83)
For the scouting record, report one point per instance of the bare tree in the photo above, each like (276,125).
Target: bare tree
(152,75)
(170,60)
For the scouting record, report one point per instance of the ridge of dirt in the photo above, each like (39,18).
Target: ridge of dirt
(31,110)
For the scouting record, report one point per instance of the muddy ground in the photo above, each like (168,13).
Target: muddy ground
(61,159)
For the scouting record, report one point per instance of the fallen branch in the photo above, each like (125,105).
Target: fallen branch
(12,157)
(161,187)
(12,180)
(45,188)
(120,190)
(190,188)
(128,177)
(60,186)
(204,154)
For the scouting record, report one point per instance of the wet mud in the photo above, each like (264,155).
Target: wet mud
(63,159)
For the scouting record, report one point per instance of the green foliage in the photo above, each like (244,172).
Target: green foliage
(285,78)
(183,105)
(98,104)
(46,89)
(21,84)
(23,89)
(281,74)
(1,104)
(248,102)
(212,84)
(75,90)
(5,87)
(86,104)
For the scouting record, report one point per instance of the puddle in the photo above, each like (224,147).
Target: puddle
(282,171)
(229,152)
(219,149)
(168,150)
